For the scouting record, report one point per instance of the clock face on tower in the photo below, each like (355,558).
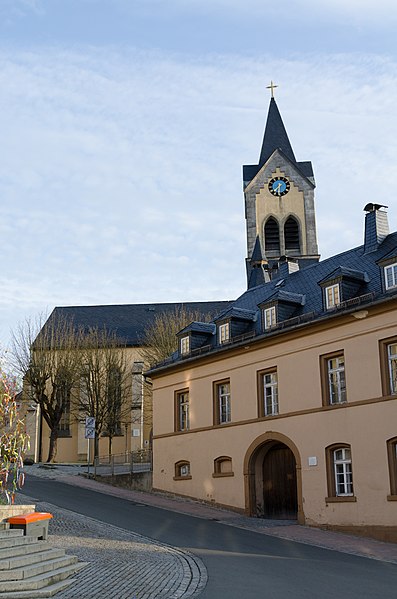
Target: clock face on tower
(279,186)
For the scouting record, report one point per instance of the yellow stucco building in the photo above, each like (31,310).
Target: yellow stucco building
(284,406)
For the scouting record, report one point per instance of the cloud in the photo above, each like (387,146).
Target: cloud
(356,10)
(121,171)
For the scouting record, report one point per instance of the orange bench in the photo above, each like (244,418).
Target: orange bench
(34,524)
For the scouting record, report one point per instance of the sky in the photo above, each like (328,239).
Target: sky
(125,125)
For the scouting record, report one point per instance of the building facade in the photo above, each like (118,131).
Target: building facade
(128,324)
(284,406)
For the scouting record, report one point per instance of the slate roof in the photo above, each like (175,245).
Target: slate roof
(303,287)
(235,312)
(287,296)
(349,273)
(129,321)
(306,281)
(257,252)
(199,327)
(275,138)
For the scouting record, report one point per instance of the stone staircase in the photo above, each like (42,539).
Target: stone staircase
(30,568)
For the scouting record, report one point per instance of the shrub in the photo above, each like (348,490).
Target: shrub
(14,441)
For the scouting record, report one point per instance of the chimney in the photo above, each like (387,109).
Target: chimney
(376,227)
(286,266)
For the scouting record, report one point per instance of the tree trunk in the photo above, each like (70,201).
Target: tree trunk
(110,439)
(52,450)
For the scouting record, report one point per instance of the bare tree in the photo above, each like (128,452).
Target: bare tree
(44,353)
(104,389)
(160,341)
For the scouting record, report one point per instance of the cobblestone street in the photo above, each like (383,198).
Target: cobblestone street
(126,565)
(122,564)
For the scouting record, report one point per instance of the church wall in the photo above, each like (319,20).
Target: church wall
(365,422)
(73,448)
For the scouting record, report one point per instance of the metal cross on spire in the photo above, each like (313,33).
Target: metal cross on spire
(272,87)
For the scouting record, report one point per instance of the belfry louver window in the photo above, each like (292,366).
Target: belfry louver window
(272,236)
(291,234)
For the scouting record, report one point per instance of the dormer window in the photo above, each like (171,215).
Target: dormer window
(391,276)
(269,317)
(224,333)
(185,345)
(332,296)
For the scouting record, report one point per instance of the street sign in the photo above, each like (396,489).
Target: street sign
(90,427)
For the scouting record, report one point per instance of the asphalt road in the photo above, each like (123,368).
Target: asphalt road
(241,564)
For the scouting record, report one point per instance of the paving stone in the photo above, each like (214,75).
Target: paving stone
(122,563)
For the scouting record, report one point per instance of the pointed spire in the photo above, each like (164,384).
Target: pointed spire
(275,136)
(257,266)
(257,253)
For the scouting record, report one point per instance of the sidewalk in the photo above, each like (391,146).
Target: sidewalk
(345,543)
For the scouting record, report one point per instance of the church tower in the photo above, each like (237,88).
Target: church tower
(279,205)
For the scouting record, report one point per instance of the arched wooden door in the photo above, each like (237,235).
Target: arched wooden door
(279,483)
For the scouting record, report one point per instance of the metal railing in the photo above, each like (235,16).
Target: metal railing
(124,463)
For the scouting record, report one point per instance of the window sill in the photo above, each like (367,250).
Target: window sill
(392,498)
(222,474)
(183,477)
(341,499)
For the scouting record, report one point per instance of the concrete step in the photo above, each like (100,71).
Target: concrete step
(48,591)
(35,569)
(11,532)
(24,549)
(40,580)
(28,559)
(13,540)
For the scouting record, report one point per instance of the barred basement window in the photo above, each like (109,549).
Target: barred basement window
(392,458)
(223,467)
(182,470)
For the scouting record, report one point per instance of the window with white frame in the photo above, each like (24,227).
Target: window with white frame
(269,317)
(185,345)
(392,362)
(182,470)
(224,332)
(222,410)
(332,296)
(336,379)
(269,405)
(343,471)
(182,411)
(391,276)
